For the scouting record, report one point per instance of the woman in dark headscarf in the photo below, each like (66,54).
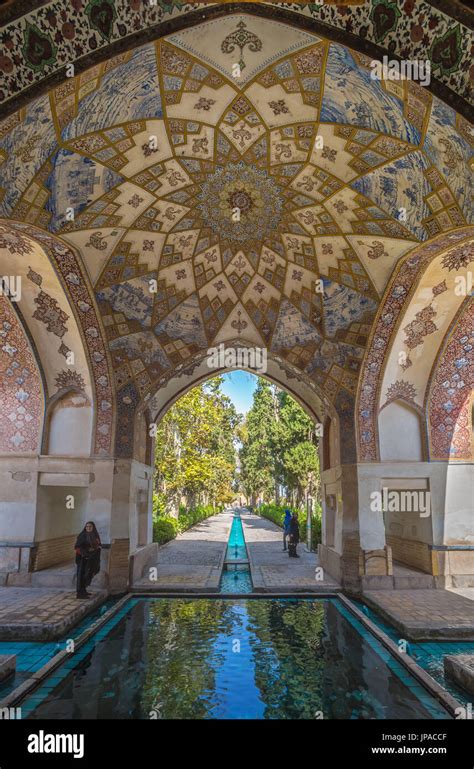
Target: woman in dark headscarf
(87,548)
(294,536)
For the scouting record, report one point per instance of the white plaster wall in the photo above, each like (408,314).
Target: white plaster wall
(130,478)
(371,523)
(141,489)
(70,427)
(24,482)
(53,518)
(338,481)
(451,487)
(459,506)
(99,508)
(18,487)
(400,433)
(409,526)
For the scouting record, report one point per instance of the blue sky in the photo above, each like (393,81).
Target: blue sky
(240,386)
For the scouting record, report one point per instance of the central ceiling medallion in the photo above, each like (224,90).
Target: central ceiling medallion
(239,203)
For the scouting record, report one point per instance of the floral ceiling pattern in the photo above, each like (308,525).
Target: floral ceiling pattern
(47,38)
(451,396)
(21,389)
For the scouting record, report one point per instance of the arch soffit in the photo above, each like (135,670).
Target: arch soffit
(59,310)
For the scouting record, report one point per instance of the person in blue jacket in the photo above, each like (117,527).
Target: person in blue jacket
(286,527)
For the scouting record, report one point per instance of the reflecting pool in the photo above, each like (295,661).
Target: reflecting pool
(236,578)
(232,658)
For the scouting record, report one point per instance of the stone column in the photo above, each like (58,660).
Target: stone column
(375,556)
(132,489)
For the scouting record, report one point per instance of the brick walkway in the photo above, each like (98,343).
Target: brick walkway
(272,570)
(41,614)
(425,614)
(193,561)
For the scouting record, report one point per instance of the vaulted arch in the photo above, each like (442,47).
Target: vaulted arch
(59,312)
(157,205)
(420,303)
(21,387)
(449,400)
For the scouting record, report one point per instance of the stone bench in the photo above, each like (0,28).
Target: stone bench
(460,669)
(7,665)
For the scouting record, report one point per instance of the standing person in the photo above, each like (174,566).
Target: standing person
(294,536)
(286,527)
(87,549)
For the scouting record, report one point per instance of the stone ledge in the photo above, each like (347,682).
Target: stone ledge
(24,630)
(435,689)
(424,615)
(28,686)
(7,665)
(460,669)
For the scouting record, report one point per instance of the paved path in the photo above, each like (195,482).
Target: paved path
(42,614)
(425,614)
(272,570)
(192,562)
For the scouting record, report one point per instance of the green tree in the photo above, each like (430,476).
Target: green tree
(279,447)
(195,454)
(258,470)
(297,448)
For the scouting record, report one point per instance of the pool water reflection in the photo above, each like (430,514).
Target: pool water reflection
(232,658)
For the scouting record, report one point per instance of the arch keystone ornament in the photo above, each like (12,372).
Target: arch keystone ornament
(102,15)
(384,15)
(446,51)
(241,38)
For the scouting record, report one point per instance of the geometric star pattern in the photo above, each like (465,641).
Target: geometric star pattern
(271,206)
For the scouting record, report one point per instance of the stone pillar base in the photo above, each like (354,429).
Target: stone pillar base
(119,566)
(330,560)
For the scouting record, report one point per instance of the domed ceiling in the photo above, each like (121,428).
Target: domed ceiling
(270,207)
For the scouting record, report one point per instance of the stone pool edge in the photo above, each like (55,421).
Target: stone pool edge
(418,632)
(428,682)
(27,687)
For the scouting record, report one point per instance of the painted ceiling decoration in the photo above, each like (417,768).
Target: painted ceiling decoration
(456,252)
(21,390)
(450,406)
(337,180)
(40,38)
(58,308)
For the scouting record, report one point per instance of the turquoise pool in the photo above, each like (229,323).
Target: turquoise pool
(232,658)
(236,578)
(32,655)
(428,654)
